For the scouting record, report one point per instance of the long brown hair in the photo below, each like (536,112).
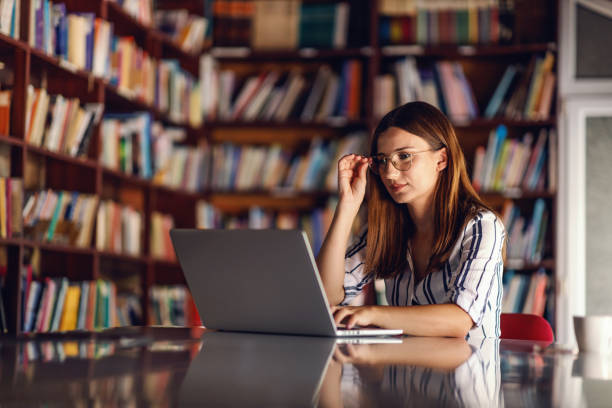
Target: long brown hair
(456,202)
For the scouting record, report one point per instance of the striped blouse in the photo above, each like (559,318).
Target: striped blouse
(471,278)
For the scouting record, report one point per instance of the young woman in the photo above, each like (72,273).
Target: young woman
(437,246)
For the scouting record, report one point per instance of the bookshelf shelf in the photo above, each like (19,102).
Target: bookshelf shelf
(9,43)
(236,202)
(58,65)
(11,140)
(79,161)
(517,195)
(193,195)
(340,123)
(121,177)
(463,51)
(59,248)
(489,123)
(124,257)
(239,53)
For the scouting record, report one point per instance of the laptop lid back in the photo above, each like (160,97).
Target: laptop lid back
(254,280)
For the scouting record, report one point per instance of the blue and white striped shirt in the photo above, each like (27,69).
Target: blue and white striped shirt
(471,278)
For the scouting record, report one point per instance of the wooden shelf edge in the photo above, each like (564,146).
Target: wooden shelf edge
(15,141)
(239,53)
(142,259)
(12,42)
(518,194)
(329,124)
(519,264)
(467,50)
(61,156)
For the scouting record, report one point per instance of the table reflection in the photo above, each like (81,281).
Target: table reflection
(419,371)
(178,367)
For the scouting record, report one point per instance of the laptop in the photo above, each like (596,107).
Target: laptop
(262,281)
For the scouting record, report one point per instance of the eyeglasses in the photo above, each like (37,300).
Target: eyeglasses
(402,161)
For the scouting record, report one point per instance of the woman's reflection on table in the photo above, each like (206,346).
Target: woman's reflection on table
(419,371)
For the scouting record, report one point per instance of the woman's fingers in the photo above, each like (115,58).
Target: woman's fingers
(341,313)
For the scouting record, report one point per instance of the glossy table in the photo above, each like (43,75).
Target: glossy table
(193,367)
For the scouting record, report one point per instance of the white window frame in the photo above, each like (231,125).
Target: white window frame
(571,210)
(569,84)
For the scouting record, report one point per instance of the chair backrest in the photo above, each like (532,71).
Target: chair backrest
(521,326)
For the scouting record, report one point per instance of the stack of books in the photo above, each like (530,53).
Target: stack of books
(56,304)
(279,95)
(525,93)
(62,217)
(446,22)
(126,143)
(10,17)
(188,31)
(525,293)
(443,85)
(60,124)
(160,244)
(172,306)
(526,234)
(511,164)
(119,229)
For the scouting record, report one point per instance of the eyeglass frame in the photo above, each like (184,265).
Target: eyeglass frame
(412,154)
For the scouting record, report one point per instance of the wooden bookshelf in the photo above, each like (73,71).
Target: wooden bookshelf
(32,66)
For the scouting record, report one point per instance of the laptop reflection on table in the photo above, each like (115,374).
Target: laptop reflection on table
(254,370)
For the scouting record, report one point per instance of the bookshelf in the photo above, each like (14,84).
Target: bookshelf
(483,65)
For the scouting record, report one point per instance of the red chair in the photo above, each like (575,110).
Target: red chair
(519,326)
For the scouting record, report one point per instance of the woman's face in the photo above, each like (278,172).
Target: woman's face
(418,183)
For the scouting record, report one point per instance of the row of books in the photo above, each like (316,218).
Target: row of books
(10,17)
(278,96)
(159,240)
(129,310)
(56,304)
(315,223)
(11,201)
(126,143)
(6,96)
(172,306)
(187,30)
(88,43)
(508,163)
(525,93)
(244,168)
(81,39)
(119,228)
(525,293)
(60,124)
(446,22)
(526,233)
(271,24)
(443,85)
(176,165)
(59,216)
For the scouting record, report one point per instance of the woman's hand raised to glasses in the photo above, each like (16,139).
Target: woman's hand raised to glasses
(352,171)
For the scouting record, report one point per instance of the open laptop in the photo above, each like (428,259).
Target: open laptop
(258,281)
